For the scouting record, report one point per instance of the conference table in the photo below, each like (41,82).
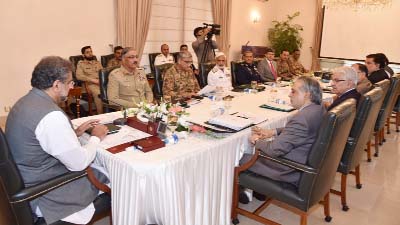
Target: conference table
(188,183)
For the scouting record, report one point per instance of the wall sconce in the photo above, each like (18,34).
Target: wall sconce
(255,17)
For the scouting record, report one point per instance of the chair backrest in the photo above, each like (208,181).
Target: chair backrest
(367,112)
(388,102)
(175,55)
(233,73)
(205,68)
(326,152)
(152,58)
(158,79)
(103,80)
(13,182)
(105,59)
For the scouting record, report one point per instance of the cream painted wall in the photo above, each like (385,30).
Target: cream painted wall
(243,29)
(33,29)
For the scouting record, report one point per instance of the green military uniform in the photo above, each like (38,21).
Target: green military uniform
(298,68)
(128,88)
(284,69)
(113,62)
(88,71)
(179,83)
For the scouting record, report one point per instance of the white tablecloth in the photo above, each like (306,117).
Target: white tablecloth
(189,183)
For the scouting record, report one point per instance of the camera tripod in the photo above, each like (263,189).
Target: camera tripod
(207,47)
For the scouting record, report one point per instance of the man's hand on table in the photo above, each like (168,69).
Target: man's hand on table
(85,126)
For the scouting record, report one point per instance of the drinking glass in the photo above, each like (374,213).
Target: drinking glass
(253,84)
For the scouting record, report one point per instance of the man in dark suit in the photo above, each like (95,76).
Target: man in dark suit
(247,71)
(376,68)
(294,141)
(267,67)
(344,84)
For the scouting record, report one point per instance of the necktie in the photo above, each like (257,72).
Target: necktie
(272,69)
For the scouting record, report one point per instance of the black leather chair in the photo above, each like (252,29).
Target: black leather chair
(158,79)
(205,68)
(233,73)
(317,174)
(152,58)
(386,109)
(105,59)
(103,80)
(367,112)
(15,197)
(175,55)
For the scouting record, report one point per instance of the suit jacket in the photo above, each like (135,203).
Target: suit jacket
(350,94)
(377,76)
(293,142)
(245,73)
(265,71)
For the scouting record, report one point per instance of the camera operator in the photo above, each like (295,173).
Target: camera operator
(199,45)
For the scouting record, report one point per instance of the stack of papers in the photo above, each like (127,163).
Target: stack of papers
(277,107)
(231,121)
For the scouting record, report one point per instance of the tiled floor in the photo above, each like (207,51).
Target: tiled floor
(378,202)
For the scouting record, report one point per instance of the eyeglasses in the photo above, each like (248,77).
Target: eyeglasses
(188,61)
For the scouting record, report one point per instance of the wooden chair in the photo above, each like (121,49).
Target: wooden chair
(317,176)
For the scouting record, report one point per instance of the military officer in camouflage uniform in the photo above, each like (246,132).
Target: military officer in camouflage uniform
(88,70)
(116,61)
(220,75)
(285,70)
(298,68)
(128,85)
(247,71)
(179,80)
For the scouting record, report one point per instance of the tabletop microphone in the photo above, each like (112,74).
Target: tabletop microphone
(119,121)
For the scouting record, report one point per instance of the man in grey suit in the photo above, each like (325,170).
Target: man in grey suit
(294,141)
(267,67)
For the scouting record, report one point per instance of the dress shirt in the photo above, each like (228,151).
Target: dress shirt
(57,138)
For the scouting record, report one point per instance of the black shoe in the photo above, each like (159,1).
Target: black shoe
(243,198)
(259,197)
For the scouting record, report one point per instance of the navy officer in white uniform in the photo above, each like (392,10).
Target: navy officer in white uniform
(220,75)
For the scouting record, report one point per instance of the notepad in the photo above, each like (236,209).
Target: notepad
(277,107)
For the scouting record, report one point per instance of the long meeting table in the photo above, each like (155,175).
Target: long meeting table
(188,183)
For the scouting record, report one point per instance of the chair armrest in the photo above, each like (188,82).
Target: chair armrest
(291,164)
(249,163)
(33,192)
(92,178)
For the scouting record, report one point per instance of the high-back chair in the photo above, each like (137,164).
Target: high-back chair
(385,111)
(317,176)
(152,58)
(105,59)
(103,82)
(205,68)
(234,66)
(15,197)
(159,79)
(367,112)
